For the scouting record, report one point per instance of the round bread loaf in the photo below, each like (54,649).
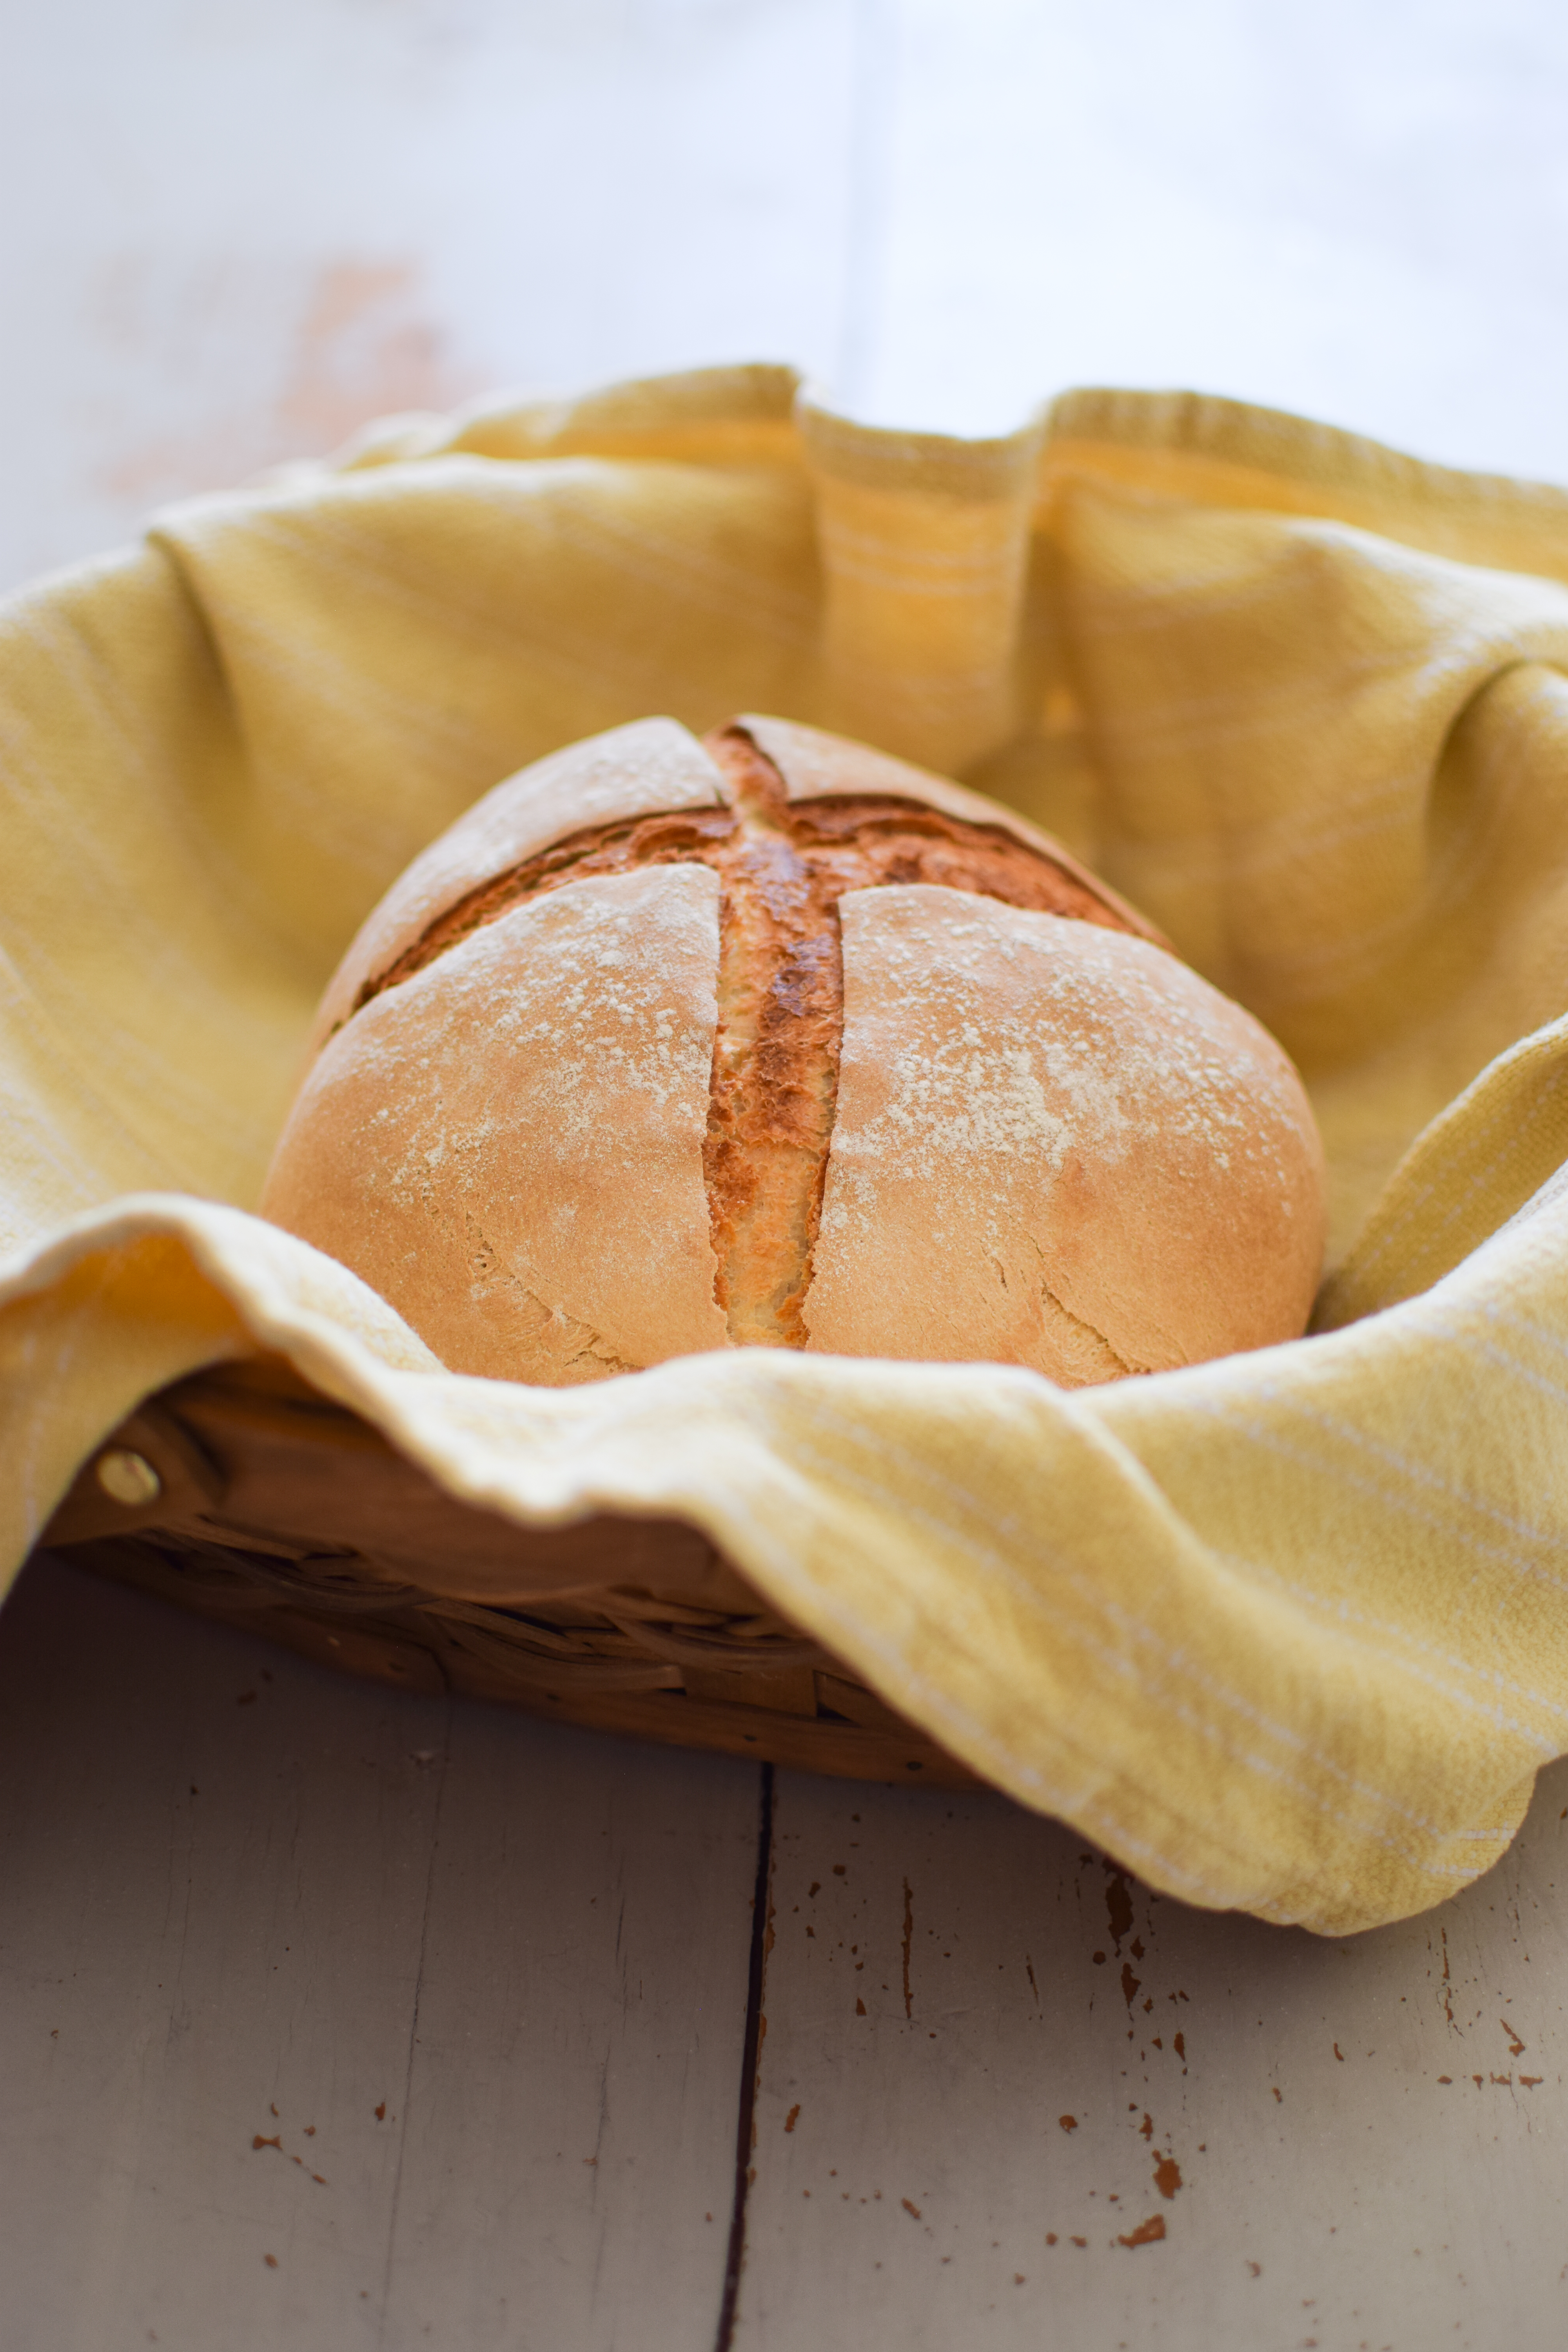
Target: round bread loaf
(772,1040)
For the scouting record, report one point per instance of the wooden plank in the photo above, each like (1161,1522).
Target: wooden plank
(576,2058)
(480,1979)
(1355,2144)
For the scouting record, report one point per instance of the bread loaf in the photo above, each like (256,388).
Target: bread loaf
(774,1041)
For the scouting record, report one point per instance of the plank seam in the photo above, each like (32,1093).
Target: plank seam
(750,2061)
(401,2118)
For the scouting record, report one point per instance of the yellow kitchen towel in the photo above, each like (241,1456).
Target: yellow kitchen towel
(1287,1631)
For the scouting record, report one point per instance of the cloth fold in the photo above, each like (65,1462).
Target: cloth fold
(1287,1631)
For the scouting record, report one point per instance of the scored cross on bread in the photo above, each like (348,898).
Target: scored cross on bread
(772,1040)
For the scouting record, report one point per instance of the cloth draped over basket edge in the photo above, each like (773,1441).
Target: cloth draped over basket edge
(1286,1632)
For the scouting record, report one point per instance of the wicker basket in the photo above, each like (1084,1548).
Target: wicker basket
(246,1495)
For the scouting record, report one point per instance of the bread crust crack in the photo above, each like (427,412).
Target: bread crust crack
(550,1331)
(1087,1351)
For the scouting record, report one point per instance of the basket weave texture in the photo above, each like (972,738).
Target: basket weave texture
(272,1508)
(1284,1632)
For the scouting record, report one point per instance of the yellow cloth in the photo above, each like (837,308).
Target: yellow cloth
(1287,1631)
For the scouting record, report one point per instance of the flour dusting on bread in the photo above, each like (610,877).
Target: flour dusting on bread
(831,1056)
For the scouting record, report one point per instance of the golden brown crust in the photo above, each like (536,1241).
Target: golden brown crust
(1119,1246)
(783,864)
(610,779)
(776,1064)
(1055,1145)
(510,1145)
(815,766)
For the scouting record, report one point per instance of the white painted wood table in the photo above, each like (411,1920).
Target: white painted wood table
(237,228)
(331,2017)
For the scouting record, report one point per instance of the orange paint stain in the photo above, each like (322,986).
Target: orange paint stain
(1147,2233)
